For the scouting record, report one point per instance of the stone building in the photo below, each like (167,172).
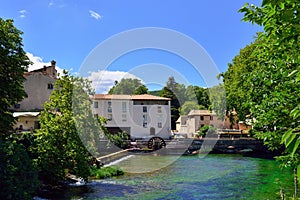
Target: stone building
(38,86)
(191,123)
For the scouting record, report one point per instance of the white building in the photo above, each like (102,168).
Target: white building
(141,116)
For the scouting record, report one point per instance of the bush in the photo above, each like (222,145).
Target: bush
(105,172)
(203,131)
(18,174)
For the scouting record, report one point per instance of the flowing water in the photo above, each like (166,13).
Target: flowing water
(191,177)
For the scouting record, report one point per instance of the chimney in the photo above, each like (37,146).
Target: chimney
(53,63)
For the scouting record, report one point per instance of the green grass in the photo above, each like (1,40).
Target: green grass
(105,172)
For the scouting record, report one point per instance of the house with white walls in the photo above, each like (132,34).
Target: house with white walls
(140,116)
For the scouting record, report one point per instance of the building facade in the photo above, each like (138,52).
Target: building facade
(38,86)
(196,119)
(141,116)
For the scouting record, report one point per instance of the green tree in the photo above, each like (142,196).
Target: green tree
(128,86)
(199,94)
(204,130)
(14,63)
(118,139)
(274,96)
(175,92)
(190,105)
(274,92)
(68,132)
(217,97)
(16,167)
(142,89)
(237,86)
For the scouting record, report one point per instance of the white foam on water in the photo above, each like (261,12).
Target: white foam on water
(117,161)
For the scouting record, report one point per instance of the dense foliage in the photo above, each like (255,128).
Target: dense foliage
(67,131)
(16,166)
(14,63)
(188,106)
(263,84)
(184,99)
(18,174)
(128,86)
(206,129)
(198,94)
(274,98)
(105,172)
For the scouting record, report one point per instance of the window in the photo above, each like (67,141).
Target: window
(96,104)
(201,118)
(109,117)
(17,105)
(109,108)
(159,120)
(159,109)
(159,125)
(124,118)
(50,86)
(145,121)
(144,108)
(124,107)
(211,118)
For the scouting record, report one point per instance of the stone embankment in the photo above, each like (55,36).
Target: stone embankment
(112,157)
(249,146)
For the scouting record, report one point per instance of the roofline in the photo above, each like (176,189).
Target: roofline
(147,97)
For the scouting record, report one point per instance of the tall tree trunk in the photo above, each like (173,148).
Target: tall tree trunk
(281,193)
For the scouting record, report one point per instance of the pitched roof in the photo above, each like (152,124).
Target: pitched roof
(148,97)
(201,112)
(129,97)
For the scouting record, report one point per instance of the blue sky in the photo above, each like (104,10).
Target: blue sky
(69,31)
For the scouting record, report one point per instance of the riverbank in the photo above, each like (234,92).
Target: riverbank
(55,191)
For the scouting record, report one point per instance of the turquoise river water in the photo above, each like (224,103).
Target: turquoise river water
(191,177)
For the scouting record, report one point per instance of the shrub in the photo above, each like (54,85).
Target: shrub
(203,131)
(105,172)
(18,174)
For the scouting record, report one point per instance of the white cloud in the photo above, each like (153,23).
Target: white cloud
(22,13)
(95,15)
(38,63)
(102,80)
(57,3)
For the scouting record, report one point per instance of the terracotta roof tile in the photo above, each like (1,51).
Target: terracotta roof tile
(129,97)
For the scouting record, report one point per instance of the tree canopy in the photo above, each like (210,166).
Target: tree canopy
(14,63)
(16,166)
(190,105)
(274,92)
(199,94)
(68,132)
(128,86)
(262,82)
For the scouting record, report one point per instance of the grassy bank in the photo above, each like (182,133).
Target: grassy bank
(105,172)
